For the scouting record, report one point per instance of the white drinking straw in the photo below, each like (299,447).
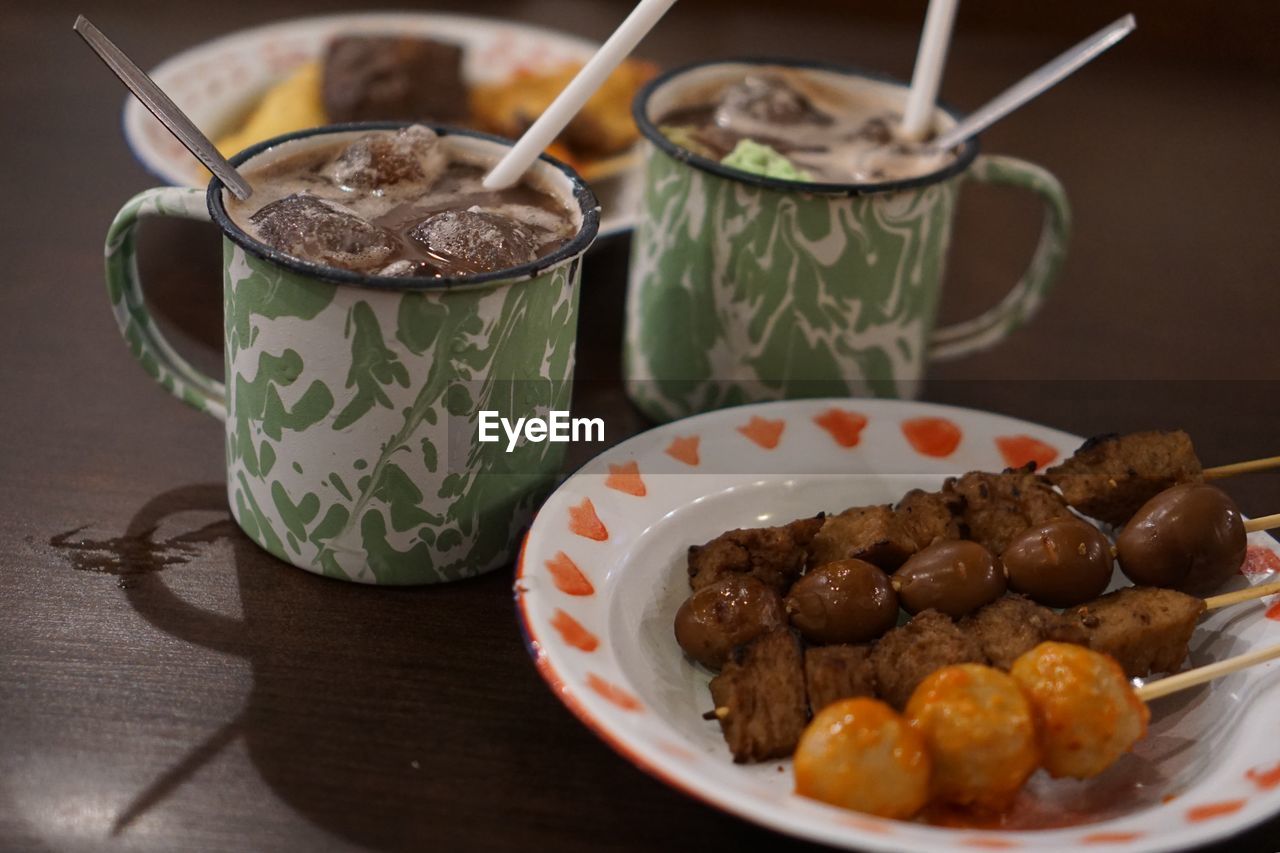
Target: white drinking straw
(926,78)
(566,105)
(1035,83)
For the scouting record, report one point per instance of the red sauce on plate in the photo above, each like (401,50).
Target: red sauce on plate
(936,437)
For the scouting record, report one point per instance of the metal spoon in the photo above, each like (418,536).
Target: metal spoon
(160,105)
(1034,83)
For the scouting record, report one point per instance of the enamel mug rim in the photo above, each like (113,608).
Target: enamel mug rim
(649,128)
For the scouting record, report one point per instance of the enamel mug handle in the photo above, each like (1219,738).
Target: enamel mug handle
(1024,299)
(143,337)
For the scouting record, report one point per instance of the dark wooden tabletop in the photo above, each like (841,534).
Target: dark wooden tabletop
(165,685)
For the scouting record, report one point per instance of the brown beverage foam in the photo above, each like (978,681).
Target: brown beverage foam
(839,135)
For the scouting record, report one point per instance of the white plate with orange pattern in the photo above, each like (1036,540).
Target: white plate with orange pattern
(603,571)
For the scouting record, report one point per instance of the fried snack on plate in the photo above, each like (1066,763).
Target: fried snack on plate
(561,152)
(603,128)
(394,78)
(292,104)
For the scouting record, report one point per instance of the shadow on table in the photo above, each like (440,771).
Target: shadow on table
(348,713)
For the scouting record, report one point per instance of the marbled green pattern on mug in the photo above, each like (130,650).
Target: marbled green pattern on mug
(743,293)
(315,369)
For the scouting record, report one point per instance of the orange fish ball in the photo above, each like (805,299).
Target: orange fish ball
(1086,712)
(980,731)
(859,754)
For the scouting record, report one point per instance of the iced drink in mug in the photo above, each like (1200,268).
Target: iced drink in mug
(376,299)
(790,246)
(400,204)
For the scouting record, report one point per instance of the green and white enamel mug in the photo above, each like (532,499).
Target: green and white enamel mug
(746,288)
(351,401)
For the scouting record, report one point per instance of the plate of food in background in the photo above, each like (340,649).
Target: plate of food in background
(486,74)
(706,595)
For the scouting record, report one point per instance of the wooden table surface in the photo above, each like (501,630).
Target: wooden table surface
(165,685)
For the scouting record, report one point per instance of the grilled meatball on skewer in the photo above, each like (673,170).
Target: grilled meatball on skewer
(971,735)
(981,734)
(1087,715)
(1063,707)
(859,754)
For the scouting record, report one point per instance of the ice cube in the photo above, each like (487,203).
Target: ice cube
(400,268)
(401,164)
(323,232)
(877,129)
(461,242)
(545,224)
(766,99)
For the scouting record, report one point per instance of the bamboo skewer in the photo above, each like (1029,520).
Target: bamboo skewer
(1200,675)
(1227,599)
(1262,522)
(1220,471)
